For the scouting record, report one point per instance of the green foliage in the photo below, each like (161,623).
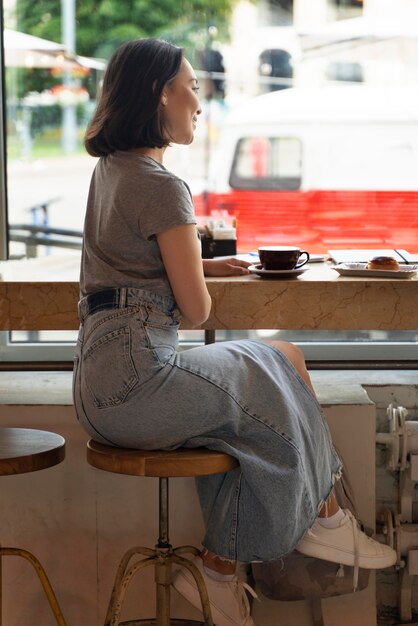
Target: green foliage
(102,25)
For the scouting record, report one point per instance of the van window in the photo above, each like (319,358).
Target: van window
(267,163)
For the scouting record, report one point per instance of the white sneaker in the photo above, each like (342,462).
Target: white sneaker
(346,544)
(228,601)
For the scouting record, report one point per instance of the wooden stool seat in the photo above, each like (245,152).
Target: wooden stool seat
(28,450)
(163,465)
(159,463)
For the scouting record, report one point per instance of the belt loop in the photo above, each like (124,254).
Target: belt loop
(122,297)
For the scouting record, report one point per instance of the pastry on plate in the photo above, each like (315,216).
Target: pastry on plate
(383,263)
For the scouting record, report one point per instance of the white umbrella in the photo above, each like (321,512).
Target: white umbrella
(22,50)
(91,62)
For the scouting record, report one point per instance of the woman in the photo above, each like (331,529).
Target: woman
(141,271)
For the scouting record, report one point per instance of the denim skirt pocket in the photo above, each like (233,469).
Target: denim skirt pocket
(109,370)
(161,333)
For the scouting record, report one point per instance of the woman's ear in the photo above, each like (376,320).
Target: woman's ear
(164,98)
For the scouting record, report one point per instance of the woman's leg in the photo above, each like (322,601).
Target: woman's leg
(339,539)
(330,507)
(296,357)
(216,563)
(227,594)
(226,568)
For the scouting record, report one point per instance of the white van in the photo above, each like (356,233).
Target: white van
(325,168)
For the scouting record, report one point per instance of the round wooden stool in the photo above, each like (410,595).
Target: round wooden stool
(27,450)
(162,465)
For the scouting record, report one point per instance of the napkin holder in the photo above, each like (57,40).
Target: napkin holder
(213,247)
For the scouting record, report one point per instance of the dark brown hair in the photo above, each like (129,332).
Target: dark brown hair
(128,113)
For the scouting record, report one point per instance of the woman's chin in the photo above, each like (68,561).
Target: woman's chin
(184,141)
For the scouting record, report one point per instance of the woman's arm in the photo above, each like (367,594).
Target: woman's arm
(181,253)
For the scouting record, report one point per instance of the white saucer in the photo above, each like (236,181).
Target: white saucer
(360,269)
(257,269)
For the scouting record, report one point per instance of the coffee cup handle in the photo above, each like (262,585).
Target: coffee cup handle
(303,262)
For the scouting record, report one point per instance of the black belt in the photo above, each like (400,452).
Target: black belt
(117,298)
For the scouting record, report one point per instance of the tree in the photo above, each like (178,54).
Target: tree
(102,25)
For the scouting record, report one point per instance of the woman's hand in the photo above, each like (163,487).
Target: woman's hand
(225,267)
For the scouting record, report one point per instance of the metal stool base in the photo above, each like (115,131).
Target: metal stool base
(162,560)
(43,579)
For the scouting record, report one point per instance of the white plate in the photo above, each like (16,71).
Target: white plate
(360,269)
(257,269)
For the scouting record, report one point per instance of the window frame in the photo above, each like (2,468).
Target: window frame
(4,244)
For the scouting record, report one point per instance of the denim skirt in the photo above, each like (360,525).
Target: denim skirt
(134,388)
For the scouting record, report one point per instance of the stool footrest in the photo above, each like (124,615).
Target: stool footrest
(152,622)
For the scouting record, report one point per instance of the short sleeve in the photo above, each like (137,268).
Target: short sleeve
(169,204)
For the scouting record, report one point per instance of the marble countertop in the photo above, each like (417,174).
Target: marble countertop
(42,294)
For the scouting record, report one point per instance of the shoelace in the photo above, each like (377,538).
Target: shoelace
(356,530)
(244,603)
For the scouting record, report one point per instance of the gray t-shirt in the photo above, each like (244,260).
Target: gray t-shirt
(132,198)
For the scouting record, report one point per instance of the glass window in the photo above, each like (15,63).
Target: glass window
(344,164)
(345,71)
(267,163)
